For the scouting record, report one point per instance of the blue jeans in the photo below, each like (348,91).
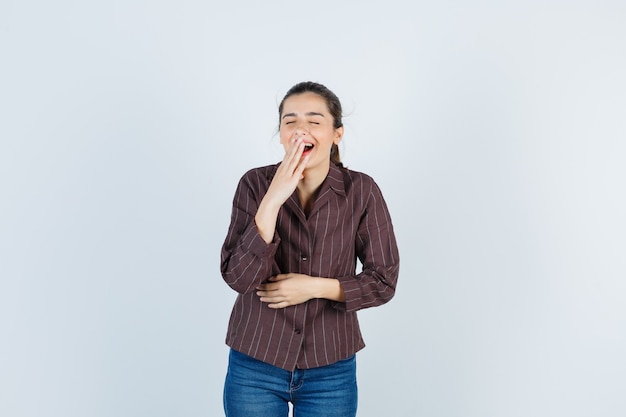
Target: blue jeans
(257,389)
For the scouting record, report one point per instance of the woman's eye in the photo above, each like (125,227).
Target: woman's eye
(288,123)
(314,123)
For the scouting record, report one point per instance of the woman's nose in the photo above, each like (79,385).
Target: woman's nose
(300,130)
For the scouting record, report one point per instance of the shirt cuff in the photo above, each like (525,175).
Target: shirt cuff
(352,292)
(257,246)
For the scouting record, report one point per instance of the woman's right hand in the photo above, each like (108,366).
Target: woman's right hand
(289,173)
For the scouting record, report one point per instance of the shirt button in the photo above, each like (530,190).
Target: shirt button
(303,257)
(297,331)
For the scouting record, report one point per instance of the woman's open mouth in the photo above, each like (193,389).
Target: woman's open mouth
(307,148)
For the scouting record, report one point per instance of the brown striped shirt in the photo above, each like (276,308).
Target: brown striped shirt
(349,219)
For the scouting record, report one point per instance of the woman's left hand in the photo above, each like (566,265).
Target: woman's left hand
(286,290)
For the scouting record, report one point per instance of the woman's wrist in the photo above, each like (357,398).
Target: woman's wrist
(330,289)
(265,220)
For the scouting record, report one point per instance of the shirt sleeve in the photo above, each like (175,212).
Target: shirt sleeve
(377,250)
(246,259)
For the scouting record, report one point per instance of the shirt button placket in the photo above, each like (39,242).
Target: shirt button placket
(305,266)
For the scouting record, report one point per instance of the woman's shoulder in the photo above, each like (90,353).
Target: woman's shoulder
(358,178)
(355,184)
(255,174)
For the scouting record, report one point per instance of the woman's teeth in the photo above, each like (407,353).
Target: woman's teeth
(308,147)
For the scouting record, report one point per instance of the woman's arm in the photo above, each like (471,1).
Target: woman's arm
(247,259)
(284,183)
(251,243)
(377,250)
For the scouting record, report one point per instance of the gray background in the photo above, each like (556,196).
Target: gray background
(496,131)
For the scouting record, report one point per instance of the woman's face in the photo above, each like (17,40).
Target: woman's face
(306,115)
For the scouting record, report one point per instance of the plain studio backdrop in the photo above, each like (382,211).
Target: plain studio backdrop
(496,130)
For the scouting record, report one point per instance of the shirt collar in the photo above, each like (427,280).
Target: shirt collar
(335,179)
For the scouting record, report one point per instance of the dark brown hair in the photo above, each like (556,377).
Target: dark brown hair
(332,102)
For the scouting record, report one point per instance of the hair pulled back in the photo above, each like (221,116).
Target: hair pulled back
(332,102)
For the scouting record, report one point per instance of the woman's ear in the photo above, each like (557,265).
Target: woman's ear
(338,135)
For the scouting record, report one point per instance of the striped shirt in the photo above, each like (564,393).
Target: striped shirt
(349,220)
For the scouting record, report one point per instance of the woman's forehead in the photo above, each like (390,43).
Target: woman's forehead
(305,103)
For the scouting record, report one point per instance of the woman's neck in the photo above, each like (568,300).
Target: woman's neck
(309,186)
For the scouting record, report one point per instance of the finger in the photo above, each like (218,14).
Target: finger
(301,167)
(291,150)
(266,291)
(282,304)
(293,156)
(272,300)
(295,150)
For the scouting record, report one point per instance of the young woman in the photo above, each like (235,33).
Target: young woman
(296,231)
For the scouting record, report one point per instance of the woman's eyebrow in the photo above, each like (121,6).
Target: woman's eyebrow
(311,113)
